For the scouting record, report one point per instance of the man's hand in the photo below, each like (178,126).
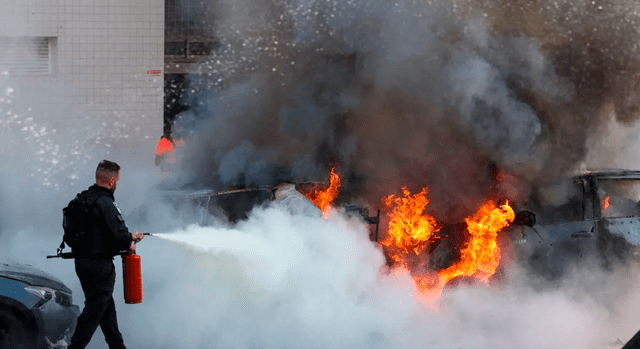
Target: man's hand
(132,248)
(137,236)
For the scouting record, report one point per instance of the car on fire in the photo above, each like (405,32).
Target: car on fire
(567,222)
(36,308)
(207,207)
(562,225)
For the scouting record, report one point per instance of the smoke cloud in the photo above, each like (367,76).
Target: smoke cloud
(280,279)
(444,94)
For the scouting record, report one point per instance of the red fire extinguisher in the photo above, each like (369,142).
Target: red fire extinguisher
(132,278)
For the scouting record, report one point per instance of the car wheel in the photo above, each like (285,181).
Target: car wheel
(14,331)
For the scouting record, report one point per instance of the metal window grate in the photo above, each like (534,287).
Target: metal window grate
(175,48)
(188,18)
(25,55)
(188,48)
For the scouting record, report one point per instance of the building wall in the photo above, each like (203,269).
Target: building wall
(107,60)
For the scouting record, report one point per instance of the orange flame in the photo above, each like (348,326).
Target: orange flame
(481,257)
(409,227)
(324,197)
(410,231)
(605,203)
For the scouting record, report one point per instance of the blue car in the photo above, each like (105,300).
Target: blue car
(36,308)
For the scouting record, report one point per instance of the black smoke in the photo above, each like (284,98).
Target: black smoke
(444,94)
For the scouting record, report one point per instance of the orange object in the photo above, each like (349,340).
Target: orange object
(164,146)
(132,278)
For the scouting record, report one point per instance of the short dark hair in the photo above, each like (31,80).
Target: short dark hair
(107,169)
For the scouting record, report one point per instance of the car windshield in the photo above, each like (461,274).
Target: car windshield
(619,198)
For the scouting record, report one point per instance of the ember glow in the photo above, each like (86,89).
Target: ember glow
(605,203)
(324,196)
(411,232)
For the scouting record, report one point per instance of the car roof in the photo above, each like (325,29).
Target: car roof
(210,192)
(609,174)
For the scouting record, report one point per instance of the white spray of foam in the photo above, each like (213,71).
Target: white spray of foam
(282,280)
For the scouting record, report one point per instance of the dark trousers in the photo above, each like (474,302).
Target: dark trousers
(97,278)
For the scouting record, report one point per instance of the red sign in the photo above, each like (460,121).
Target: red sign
(154,72)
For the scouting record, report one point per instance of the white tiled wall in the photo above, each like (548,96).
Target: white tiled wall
(106,52)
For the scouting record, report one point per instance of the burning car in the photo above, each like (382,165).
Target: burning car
(596,213)
(560,225)
(234,205)
(585,221)
(36,308)
(203,206)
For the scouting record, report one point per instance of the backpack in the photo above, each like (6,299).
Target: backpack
(76,221)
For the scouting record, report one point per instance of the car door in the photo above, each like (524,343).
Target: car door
(565,228)
(620,209)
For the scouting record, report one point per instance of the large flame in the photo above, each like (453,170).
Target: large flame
(481,257)
(409,228)
(411,231)
(324,196)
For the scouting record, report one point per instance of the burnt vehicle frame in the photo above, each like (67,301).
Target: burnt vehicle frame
(36,308)
(593,214)
(234,204)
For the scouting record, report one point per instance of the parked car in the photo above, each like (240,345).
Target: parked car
(36,308)
(593,214)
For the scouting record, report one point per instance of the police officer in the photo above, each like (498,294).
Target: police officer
(94,264)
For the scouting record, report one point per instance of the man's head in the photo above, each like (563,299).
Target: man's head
(108,174)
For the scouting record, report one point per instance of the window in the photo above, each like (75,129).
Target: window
(203,48)
(27,55)
(188,17)
(175,48)
(619,198)
(559,202)
(187,48)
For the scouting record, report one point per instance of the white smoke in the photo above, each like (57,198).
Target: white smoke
(285,280)
(282,280)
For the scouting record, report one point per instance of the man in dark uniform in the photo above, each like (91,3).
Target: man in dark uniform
(94,264)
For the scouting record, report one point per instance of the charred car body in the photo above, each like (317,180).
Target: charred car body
(204,206)
(36,309)
(563,224)
(594,214)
